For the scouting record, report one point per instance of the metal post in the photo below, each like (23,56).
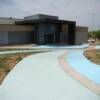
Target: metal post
(92,19)
(54,38)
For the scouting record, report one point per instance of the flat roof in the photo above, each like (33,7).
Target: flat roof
(45,21)
(40,16)
(8,20)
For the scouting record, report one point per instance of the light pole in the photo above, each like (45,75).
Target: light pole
(54,38)
(92,20)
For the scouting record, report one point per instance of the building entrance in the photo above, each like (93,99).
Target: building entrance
(49,38)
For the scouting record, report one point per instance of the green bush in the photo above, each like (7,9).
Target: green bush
(19,59)
(94,34)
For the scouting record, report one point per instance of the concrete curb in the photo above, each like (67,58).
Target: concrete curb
(21,51)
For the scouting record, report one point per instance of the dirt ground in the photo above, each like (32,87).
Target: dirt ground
(21,45)
(93,55)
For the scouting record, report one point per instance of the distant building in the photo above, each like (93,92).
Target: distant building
(41,29)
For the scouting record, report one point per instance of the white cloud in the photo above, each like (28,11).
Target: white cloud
(79,10)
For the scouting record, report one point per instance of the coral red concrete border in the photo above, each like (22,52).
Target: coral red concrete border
(82,79)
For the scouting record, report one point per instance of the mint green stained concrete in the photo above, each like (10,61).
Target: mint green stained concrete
(62,47)
(98,47)
(40,77)
(81,64)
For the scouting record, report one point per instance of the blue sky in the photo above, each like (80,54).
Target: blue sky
(79,10)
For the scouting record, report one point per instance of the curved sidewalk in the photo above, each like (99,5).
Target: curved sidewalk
(40,77)
(77,66)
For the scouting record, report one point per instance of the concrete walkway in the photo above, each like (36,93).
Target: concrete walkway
(81,69)
(40,77)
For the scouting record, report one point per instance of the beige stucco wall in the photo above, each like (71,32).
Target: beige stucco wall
(81,29)
(81,35)
(5,27)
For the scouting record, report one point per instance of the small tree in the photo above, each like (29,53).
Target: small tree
(97,34)
(94,34)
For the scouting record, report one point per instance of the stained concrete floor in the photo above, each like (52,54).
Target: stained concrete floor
(40,77)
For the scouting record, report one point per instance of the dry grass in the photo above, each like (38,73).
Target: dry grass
(14,49)
(93,55)
(8,61)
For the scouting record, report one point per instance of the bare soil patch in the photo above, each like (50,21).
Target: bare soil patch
(93,55)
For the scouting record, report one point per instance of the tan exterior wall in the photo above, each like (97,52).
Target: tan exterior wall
(81,29)
(81,35)
(4,28)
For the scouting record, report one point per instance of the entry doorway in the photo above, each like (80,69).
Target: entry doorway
(49,38)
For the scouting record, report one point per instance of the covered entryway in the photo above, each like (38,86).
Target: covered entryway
(71,34)
(49,38)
